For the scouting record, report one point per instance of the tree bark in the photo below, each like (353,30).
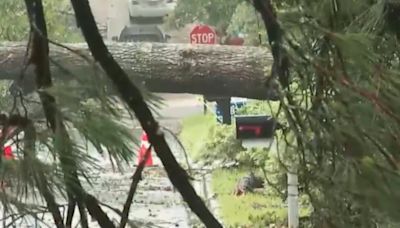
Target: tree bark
(215,70)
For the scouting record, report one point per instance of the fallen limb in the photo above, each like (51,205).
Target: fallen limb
(171,68)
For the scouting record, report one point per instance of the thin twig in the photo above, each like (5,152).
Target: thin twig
(182,147)
(86,58)
(6,59)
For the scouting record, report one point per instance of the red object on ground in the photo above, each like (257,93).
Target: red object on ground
(8,151)
(8,154)
(144,146)
(234,41)
(203,34)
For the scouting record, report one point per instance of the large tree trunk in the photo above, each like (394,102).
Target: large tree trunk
(175,68)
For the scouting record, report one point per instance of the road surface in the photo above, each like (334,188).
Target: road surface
(156,202)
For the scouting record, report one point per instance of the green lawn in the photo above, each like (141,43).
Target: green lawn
(250,210)
(194,133)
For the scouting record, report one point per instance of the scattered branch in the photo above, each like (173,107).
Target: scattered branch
(6,59)
(182,147)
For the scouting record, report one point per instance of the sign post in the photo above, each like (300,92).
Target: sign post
(203,34)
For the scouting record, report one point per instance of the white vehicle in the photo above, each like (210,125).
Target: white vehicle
(151,8)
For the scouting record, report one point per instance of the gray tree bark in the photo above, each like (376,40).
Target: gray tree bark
(212,70)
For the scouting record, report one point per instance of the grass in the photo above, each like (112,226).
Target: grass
(234,211)
(250,210)
(195,130)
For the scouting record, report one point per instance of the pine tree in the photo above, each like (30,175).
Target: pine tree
(339,107)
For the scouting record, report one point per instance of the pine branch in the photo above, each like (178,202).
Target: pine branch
(137,176)
(118,212)
(132,96)
(12,126)
(280,67)
(39,58)
(38,175)
(96,211)
(82,212)
(70,213)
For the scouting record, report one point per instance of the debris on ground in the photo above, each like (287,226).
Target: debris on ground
(248,184)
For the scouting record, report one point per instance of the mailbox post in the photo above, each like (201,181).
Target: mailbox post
(293,195)
(258,131)
(224,110)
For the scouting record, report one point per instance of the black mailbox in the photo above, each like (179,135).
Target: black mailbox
(255,127)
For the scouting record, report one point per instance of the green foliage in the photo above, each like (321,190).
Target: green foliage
(229,17)
(14,20)
(259,108)
(341,111)
(208,142)
(221,144)
(194,134)
(14,25)
(93,119)
(95,127)
(246,20)
(214,12)
(256,209)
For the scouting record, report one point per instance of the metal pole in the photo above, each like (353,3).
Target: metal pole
(293,207)
(205,193)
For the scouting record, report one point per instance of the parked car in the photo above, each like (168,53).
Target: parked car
(236,103)
(143,33)
(150,8)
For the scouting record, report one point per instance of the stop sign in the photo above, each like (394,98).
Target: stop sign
(203,34)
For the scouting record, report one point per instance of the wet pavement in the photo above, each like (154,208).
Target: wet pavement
(156,204)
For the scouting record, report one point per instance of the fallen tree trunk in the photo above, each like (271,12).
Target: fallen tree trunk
(169,68)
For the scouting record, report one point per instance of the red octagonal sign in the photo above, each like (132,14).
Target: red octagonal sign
(203,34)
